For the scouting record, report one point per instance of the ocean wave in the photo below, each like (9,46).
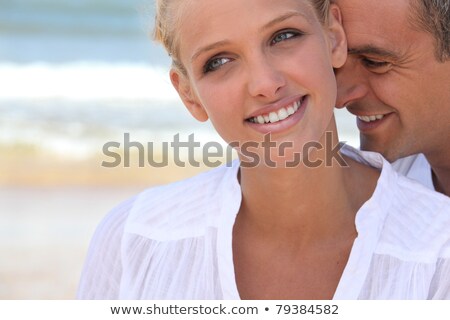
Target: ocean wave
(78,6)
(85,81)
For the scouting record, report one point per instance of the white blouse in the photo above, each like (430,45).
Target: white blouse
(175,242)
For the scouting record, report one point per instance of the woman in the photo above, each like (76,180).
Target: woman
(262,72)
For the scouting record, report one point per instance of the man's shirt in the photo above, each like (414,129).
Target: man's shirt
(415,167)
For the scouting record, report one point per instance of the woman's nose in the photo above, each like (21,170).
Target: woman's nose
(264,79)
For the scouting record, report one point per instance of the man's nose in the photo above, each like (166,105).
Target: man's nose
(351,83)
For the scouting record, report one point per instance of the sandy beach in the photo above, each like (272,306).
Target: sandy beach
(49,208)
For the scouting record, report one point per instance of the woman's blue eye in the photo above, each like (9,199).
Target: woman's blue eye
(284,36)
(214,64)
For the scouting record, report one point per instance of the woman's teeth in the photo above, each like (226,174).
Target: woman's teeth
(281,114)
(371,118)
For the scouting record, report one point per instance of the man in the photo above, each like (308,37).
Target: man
(397,82)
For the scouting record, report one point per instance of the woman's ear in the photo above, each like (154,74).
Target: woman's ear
(337,36)
(182,85)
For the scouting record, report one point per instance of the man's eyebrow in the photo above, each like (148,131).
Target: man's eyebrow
(376,51)
(268,25)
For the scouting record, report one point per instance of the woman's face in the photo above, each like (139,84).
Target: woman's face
(259,66)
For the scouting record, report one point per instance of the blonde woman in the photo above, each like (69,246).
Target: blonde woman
(350,229)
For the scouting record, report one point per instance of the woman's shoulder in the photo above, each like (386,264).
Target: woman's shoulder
(183,208)
(403,193)
(412,243)
(415,203)
(417,223)
(112,224)
(414,220)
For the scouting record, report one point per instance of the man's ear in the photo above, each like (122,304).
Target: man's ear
(337,36)
(184,89)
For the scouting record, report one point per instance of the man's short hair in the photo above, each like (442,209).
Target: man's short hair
(433,16)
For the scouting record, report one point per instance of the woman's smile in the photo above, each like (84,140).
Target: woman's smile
(279,116)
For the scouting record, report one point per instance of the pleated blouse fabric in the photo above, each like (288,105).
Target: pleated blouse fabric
(175,241)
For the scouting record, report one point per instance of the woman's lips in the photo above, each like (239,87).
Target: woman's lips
(280,119)
(278,115)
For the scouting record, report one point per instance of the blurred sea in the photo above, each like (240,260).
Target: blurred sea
(75,74)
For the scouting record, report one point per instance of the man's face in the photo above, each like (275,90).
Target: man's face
(392,80)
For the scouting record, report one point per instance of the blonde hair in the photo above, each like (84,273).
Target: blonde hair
(322,8)
(168,16)
(167,20)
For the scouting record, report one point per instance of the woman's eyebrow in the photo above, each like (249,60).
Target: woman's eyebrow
(283,17)
(268,25)
(209,48)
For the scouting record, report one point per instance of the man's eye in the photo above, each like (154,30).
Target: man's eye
(376,64)
(285,35)
(214,64)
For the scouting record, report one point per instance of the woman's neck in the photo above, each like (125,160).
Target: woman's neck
(303,204)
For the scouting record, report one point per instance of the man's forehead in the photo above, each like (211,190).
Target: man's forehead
(376,15)
(378,27)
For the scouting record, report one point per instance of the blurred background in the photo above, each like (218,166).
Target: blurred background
(74,75)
